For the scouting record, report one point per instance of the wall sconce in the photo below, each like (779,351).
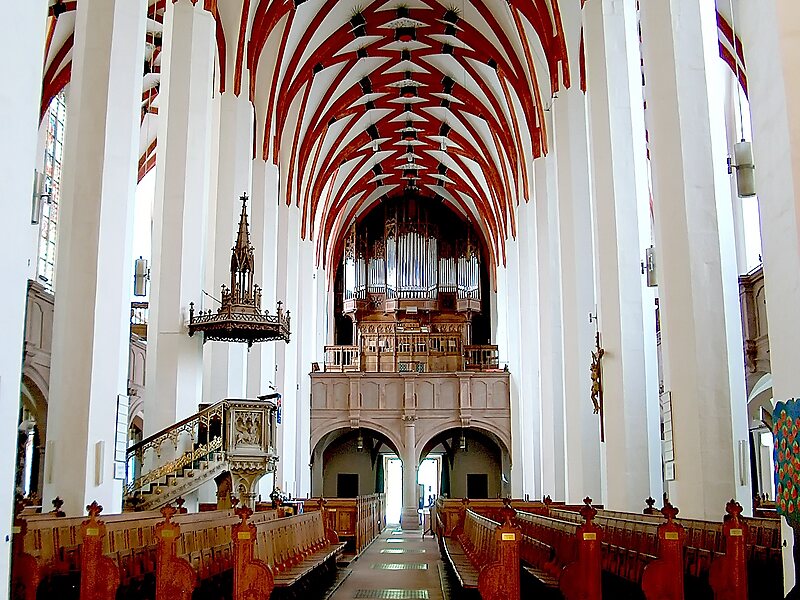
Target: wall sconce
(745,169)
(141,274)
(41,194)
(462,443)
(360,442)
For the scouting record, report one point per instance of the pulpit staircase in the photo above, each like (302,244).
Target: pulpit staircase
(232,435)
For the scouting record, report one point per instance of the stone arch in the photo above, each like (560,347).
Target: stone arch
(495,433)
(349,450)
(322,432)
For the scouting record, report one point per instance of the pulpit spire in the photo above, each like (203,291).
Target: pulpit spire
(239,318)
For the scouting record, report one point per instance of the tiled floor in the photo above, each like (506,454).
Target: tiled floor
(412,569)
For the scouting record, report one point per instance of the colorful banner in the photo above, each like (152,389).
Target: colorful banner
(786,419)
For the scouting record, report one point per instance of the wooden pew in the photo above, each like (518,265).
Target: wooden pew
(447,513)
(281,553)
(100,575)
(663,578)
(485,555)
(562,554)
(728,575)
(49,551)
(202,546)
(705,544)
(359,520)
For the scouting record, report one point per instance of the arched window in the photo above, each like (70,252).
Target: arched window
(54,122)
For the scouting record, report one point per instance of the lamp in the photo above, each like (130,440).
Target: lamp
(41,193)
(141,274)
(745,169)
(462,443)
(360,441)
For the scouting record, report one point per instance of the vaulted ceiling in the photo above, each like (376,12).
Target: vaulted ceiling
(358,100)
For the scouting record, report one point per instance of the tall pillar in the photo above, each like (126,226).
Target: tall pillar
(91,322)
(551,383)
(263,220)
(570,144)
(698,288)
(410,515)
(288,353)
(228,362)
(529,429)
(510,305)
(622,232)
(25,42)
(174,360)
(304,340)
(770,32)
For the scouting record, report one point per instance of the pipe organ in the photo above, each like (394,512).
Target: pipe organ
(412,274)
(407,263)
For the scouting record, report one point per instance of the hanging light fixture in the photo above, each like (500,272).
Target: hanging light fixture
(41,194)
(240,319)
(360,441)
(743,150)
(141,275)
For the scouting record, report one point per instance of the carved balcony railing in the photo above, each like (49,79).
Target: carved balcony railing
(183,456)
(481,358)
(411,353)
(342,359)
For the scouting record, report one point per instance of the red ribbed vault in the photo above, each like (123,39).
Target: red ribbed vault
(358,100)
(368,99)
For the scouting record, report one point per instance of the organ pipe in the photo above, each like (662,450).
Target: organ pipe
(403,257)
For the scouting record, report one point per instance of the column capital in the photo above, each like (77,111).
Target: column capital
(409,419)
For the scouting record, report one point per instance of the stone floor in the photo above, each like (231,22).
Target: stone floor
(397,565)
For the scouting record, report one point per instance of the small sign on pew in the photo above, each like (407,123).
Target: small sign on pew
(509,537)
(590,536)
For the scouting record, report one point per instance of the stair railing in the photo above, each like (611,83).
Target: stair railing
(199,436)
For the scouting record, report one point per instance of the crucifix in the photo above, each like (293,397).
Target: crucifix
(596,371)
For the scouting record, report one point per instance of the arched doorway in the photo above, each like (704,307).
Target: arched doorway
(474,463)
(351,462)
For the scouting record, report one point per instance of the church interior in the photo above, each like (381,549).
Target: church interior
(431,299)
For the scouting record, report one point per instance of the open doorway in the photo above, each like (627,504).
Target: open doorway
(393,467)
(428,478)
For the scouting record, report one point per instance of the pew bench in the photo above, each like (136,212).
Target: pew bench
(484,555)
(296,546)
(291,554)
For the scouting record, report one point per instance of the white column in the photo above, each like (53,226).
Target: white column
(582,428)
(529,428)
(551,384)
(771,37)
(291,383)
(25,42)
(91,322)
(698,288)
(263,230)
(174,360)
(410,516)
(625,304)
(304,327)
(282,242)
(510,305)
(228,362)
